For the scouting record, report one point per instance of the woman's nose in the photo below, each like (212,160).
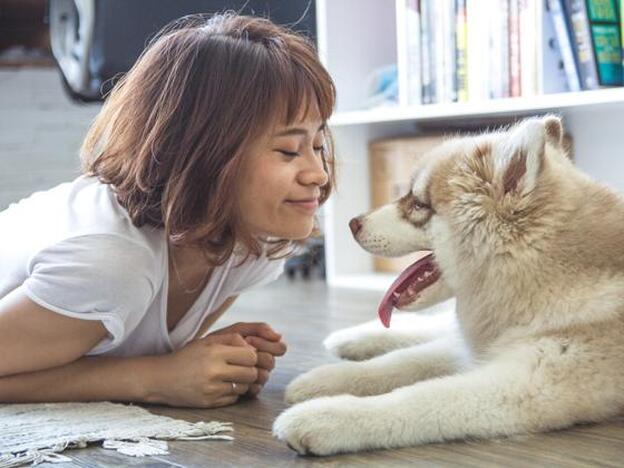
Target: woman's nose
(315,173)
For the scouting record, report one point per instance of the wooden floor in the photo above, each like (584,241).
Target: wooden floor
(305,312)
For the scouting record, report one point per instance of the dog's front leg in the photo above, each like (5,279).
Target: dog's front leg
(483,403)
(371,339)
(381,374)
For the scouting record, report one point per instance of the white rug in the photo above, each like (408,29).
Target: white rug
(34,433)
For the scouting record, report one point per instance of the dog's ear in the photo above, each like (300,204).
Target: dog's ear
(554,130)
(523,159)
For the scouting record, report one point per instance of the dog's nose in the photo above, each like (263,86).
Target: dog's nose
(355,224)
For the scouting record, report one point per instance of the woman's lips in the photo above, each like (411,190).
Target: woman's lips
(308,206)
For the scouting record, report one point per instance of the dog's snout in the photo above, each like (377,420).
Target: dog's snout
(355,224)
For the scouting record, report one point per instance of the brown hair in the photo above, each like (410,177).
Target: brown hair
(171,136)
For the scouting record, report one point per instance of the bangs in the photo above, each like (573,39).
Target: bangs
(296,84)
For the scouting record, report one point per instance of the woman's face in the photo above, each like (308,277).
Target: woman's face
(281,180)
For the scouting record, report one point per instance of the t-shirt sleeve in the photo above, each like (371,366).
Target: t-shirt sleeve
(259,272)
(95,277)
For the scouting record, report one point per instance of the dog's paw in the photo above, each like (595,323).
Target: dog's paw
(360,344)
(320,427)
(327,380)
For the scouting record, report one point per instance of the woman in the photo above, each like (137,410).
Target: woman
(202,172)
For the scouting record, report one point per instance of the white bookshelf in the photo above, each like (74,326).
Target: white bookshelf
(357,36)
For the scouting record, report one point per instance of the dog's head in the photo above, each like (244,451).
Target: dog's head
(471,199)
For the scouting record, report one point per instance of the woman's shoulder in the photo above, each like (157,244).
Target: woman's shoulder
(82,212)
(103,257)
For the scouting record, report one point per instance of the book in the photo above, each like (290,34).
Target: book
(478,51)
(461,50)
(426,52)
(410,37)
(552,76)
(514,48)
(504,49)
(529,54)
(497,48)
(562,32)
(604,25)
(584,51)
(449,44)
(437,8)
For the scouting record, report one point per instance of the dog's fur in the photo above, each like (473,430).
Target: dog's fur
(533,252)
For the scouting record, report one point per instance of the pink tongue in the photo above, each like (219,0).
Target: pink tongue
(390,299)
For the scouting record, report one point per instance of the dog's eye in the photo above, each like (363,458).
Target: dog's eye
(419,205)
(409,203)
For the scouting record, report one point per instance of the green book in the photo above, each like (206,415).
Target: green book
(604,22)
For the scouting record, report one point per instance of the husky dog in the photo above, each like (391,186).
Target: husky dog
(533,252)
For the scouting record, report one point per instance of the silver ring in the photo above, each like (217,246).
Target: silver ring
(233,387)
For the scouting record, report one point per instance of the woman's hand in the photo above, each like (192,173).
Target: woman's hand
(268,344)
(201,373)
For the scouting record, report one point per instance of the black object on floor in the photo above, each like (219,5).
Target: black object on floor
(93,41)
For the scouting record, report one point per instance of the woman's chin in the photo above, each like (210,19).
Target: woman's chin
(296,233)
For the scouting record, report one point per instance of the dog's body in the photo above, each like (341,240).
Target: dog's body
(533,252)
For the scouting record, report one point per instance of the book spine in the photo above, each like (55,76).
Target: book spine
(605,35)
(439,51)
(461,40)
(450,64)
(425,51)
(586,62)
(565,46)
(528,47)
(514,49)
(412,15)
(478,61)
(494,45)
(504,48)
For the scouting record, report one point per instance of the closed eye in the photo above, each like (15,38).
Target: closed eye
(295,153)
(288,153)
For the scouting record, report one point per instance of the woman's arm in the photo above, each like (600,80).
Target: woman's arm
(198,375)
(41,359)
(87,379)
(34,338)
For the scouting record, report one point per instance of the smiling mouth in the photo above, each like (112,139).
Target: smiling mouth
(309,205)
(407,287)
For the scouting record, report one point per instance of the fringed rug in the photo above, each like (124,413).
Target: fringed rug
(36,433)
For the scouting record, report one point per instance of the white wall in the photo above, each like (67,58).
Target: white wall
(40,132)
(599,143)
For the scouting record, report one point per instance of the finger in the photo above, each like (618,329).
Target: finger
(240,374)
(260,329)
(254,390)
(277,348)
(232,339)
(263,377)
(227,389)
(225,401)
(265,361)
(238,356)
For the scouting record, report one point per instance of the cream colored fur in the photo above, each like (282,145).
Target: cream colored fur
(533,251)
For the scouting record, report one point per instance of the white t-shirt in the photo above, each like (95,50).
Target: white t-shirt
(74,250)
